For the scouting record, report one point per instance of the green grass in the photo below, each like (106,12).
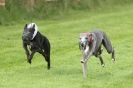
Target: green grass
(66,71)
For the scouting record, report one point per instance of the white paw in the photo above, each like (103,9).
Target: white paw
(113,60)
(103,65)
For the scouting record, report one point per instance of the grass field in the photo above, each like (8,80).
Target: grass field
(66,71)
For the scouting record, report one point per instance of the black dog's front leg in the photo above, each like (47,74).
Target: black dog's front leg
(31,56)
(26,50)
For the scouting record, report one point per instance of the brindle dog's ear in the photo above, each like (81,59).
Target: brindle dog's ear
(25,26)
(90,38)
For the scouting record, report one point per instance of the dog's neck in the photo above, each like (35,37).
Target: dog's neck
(35,33)
(36,29)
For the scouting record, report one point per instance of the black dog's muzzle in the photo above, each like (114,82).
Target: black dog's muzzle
(27,37)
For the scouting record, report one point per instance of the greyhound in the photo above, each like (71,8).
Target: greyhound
(90,44)
(34,41)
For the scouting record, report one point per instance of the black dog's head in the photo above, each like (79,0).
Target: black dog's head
(30,31)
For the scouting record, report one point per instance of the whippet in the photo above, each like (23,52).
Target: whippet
(90,44)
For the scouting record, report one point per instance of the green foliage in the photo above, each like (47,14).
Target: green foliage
(19,10)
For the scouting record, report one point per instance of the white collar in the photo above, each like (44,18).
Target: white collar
(36,29)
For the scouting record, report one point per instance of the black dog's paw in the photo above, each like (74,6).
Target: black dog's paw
(29,61)
(48,68)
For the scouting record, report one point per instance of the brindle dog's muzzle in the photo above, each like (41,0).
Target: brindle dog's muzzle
(83,46)
(83,43)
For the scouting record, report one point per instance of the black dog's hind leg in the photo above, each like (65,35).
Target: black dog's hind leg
(48,61)
(47,58)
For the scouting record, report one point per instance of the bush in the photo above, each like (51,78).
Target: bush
(18,10)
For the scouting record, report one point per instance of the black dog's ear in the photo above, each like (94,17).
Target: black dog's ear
(25,26)
(34,26)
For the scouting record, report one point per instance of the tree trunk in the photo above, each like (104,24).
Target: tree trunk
(30,4)
(2,2)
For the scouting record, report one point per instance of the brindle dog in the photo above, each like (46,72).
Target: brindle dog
(90,44)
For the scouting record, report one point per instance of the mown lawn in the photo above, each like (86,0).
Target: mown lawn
(66,71)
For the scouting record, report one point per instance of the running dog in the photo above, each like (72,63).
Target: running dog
(90,44)
(34,41)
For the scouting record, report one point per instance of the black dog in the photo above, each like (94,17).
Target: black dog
(34,41)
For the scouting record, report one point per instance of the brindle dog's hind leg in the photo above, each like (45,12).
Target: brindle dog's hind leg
(113,55)
(108,46)
(99,56)
(101,60)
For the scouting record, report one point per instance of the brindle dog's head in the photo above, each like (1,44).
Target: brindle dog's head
(30,30)
(85,39)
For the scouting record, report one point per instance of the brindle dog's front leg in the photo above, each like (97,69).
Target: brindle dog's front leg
(84,64)
(85,58)
(84,68)
(26,50)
